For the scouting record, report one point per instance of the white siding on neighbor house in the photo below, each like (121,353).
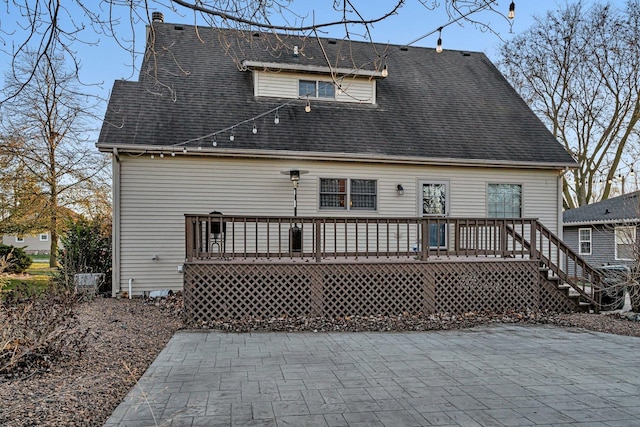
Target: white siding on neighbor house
(155,195)
(33,244)
(285,85)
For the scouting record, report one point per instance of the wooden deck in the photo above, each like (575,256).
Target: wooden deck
(258,267)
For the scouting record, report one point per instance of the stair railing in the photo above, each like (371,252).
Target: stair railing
(563,262)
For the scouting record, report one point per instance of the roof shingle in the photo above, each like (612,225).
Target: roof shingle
(452,105)
(616,209)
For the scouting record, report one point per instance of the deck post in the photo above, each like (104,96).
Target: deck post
(188,224)
(456,237)
(318,242)
(425,239)
(533,249)
(504,246)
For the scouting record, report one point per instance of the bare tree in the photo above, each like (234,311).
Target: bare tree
(579,69)
(20,195)
(36,25)
(53,168)
(624,236)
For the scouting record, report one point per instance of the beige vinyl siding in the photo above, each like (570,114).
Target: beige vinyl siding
(285,85)
(155,195)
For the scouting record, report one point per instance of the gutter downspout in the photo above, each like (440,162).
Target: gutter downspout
(115,230)
(559,232)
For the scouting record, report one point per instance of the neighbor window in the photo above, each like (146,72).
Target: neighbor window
(584,241)
(19,239)
(504,200)
(316,89)
(625,243)
(342,193)
(44,237)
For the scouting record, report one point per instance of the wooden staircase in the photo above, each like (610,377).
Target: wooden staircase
(576,299)
(562,267)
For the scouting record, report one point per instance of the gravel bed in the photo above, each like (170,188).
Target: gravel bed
(124,337)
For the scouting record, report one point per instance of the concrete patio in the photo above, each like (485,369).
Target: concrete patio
(499,375)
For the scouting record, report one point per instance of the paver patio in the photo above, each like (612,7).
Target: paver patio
(498,375)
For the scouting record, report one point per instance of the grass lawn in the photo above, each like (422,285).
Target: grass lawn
(37,275)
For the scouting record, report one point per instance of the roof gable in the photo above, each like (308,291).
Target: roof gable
(449,106)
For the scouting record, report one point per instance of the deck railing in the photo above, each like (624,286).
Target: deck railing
(318,238)
(571,268)
(211,238)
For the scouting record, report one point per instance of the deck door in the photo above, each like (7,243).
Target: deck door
(434,202)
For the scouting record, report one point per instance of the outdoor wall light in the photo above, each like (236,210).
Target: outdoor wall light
(400,189)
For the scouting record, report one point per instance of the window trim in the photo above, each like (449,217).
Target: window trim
(347,194)
(45,235)
(615,240)
(19,239)
(521,185)
(316,94)
(580,241)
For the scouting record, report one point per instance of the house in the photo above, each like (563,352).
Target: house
(226,121)
(605,233)
(35,244)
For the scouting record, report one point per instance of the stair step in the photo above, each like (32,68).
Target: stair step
(584,306)
(565,288)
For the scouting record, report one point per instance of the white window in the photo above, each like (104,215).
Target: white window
(316,89)
(626,243)
(504,200)
(44,237)
(19,239)
(342,193)
(584,241)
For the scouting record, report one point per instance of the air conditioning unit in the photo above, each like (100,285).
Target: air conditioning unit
(88,282)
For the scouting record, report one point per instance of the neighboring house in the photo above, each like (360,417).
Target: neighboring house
(388,131)
(605,233)
(38,244)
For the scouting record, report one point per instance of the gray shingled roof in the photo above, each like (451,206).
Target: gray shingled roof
(616,209)
(452,105)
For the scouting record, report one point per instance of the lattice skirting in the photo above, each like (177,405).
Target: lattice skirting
(262,290)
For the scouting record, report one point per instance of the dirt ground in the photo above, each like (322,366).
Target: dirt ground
(124,337)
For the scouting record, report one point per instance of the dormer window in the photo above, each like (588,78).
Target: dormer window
(316,89)
(283,80)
